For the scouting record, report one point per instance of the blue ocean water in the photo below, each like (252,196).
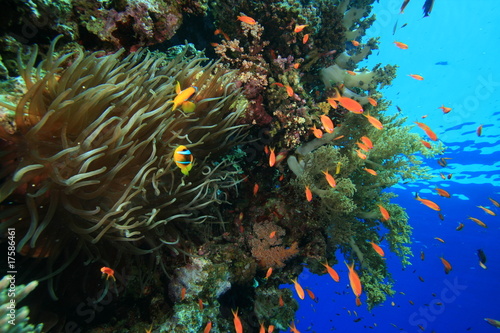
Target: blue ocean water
(455,49)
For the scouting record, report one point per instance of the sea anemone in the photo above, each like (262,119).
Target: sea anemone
(88,166)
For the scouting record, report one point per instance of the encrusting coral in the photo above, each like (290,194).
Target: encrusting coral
(87,166)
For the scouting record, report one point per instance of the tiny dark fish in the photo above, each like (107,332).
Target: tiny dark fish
(421,279)
(422,255)
(449,176)
(428,7)
(441,216)
(357,319)
(403,6)
(404,25)
(442,162)
(399,109)
(481,256)
(395,27)
(442,63)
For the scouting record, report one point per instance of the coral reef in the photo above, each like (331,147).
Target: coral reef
(88,139)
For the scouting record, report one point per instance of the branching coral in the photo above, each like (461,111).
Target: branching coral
(90,163)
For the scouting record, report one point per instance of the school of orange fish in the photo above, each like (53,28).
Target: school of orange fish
(184,160)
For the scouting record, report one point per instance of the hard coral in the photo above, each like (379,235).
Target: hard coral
(89,166)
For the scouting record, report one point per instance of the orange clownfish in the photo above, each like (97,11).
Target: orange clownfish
(183,159)
(247,19)
(182,98)
(109,272)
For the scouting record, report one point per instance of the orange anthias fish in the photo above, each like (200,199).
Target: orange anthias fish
(305,38)
(417,77)
(208,328)
(402,46)
(346,102)
(269,272)
(255,189)
(333,273)
(247,19)
(309,195)
(445,109)
(384,212)
(372,101)
(355,282)
(366,140)
(109,272)
(327,123)
(317,132)
(370,171)
(439,239)
(443,193)
(183,159)
(361,155)
(298,289)
(378,249)
(354,42)
(299,27)
(427,131)
(478,222)
(446,264)
(494,202)
(289,90)
(429,203)
(272,157)
(493,322)
(426,144)
(329,178)
(237,322)
(375,122)
(293,329)
(311,295)
(362,146)
(487,211)
(479,130)
(262,328)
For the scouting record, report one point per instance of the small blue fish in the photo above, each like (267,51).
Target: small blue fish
(183,159)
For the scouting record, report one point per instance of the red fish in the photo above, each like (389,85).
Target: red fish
(402,46)
(247,19)
(417,77)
